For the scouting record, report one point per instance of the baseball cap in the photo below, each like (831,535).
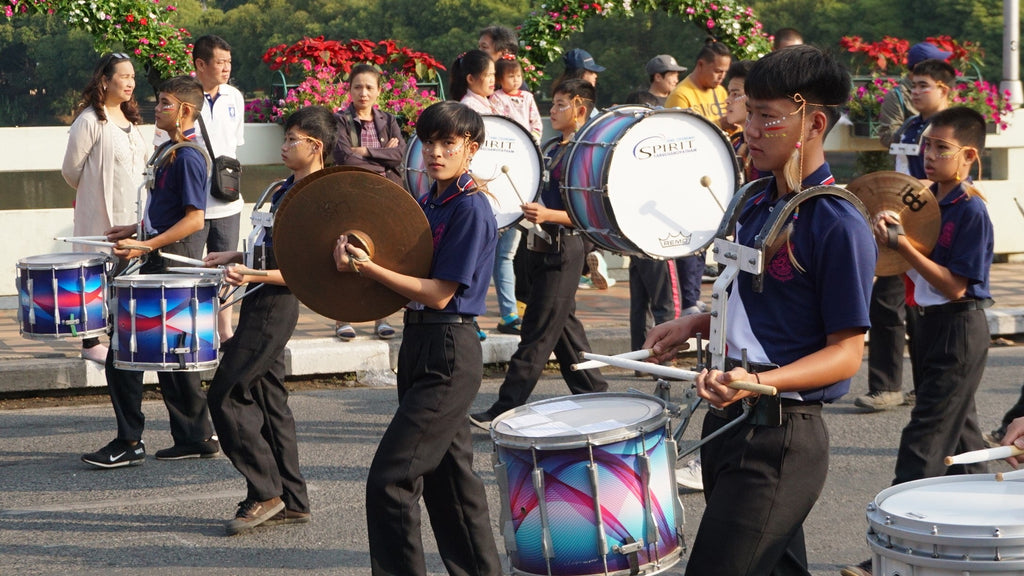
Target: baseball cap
(578,58)
(663,63)
(925,51)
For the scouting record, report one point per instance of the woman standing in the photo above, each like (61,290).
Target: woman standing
(105,158)
(368,138)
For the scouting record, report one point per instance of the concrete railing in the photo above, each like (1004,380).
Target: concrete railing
(41,149)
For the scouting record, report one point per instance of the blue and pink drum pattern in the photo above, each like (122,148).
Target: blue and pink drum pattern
(570,506)
(62,295)
(174,319)
(651,183)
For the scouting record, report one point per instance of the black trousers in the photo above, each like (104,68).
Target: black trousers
(888,334)
(550,324)
(650,293)
(427,450)
(249,402)
(944,421)
(690,270)
(182,391)
(760,484)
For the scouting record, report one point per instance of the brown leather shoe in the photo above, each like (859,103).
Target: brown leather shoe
(252,513)
(287,516)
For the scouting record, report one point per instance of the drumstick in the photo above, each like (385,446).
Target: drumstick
(108,244)
(705,181)
(678,374)
(504,170)
(183,259)
(1019,207)
(635,355)
(983,455)
(197,270)
(1014,475)
(76,238)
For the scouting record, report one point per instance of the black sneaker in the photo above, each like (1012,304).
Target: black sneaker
(514,327)
(117,454)
(481,420)
(251,514)
(205,449)
(287,516)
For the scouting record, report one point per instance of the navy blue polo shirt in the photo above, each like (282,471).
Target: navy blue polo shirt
(965,246)
(794,314)
(275,202)
(465,237)
(910,133)
(178,184)
(551,195)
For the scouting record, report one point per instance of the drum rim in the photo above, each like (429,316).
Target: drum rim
(920,531)
(653,423)
(85,258)
(606,164)
(154,281)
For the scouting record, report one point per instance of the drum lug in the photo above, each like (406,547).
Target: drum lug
(631,548)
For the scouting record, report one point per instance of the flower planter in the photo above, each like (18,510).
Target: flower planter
(865,128)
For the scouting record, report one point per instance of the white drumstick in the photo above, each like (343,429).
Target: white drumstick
(76,238)
(705,181)
(504,170)
(1014,475)
(678,374)
(983,455)
(183,259)
(635,355)
(105,244)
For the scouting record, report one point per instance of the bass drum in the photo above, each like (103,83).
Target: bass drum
(508,162)
(648,182)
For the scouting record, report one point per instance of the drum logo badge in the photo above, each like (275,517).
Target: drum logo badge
(500,144)
(674,240)
(659,146)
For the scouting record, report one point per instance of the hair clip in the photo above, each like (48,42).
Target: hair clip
(507,56)
(459,57)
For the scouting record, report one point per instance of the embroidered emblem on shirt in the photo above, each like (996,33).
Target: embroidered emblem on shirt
(946,236)
(781,268)
(438,232)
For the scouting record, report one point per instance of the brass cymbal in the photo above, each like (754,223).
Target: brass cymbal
(906,198)
(339,200)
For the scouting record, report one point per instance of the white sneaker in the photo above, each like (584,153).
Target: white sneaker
(689,476)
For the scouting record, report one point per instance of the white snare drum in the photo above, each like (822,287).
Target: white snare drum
(63,295)
(588,485)
(950,525)
(509,162)
(649,182)
(166,322)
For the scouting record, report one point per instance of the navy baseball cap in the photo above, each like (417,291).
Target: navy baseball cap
(577,58)
(925,51)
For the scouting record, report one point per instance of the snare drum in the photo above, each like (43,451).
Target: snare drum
(633,181)
(509,162)
(950,525)
(63,295)
(588,485)
(165,322)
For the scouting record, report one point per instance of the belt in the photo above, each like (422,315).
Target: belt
(789,406)
(428,317)
(954,307)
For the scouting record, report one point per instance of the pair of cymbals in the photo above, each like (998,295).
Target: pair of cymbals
(377,212)
(908,200)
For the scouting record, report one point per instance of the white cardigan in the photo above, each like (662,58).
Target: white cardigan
(89,166)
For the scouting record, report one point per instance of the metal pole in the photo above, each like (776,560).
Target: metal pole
(1011,52)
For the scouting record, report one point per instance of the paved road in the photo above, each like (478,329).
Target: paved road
(59,517)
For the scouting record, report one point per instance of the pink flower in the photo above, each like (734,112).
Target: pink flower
(690,10)
(710,23)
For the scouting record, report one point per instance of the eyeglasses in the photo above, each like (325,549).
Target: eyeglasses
(292,144)
(924,87)
(120,56)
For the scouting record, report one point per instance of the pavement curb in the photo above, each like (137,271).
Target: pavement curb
(322,357)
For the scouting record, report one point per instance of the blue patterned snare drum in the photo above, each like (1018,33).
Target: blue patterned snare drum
(166,322)
(588,486)
(62,295)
